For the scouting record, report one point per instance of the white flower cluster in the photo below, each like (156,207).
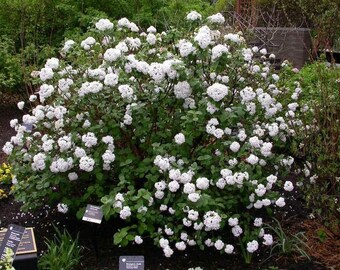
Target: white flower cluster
(104,24)
(194,16)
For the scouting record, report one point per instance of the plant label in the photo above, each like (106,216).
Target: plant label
(27,243)
(11,239)
(131,263)
(93,214)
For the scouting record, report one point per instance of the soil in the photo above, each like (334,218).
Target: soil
(97,240)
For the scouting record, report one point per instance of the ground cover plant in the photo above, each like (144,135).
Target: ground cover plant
(182,134)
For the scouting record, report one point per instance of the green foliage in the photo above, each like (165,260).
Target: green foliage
(62,252)
(224,5)
(320,145)
(10,65)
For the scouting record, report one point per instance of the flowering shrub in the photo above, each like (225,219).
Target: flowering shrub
(178,133)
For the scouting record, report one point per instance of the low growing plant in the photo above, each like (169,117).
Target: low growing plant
(181,134)
(62,252)
(287,244)
(6,263)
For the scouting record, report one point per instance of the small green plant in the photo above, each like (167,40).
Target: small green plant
(287,244)
(321,235)
(6,264)
(62,252)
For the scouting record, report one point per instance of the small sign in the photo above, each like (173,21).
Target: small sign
(131,263)
(11,239)
(29,127)
(27,243)
(93,214)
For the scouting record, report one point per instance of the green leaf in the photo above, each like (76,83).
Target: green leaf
(205,157)
(126,162)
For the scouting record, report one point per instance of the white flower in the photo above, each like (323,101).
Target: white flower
(218,51)
(288,186)
(138,240)
(180,138)
(203,37)
(266,149)
(252,159)
(160,185)
(202,183)
(87,43)
(62,208)
(180,245)
(79,152)
(52,63)
(108,157)
(182,90)
(189,188)
(268,239)
(111,79)
(186,48)
(194,197)
(208,242)
(235,146)
(219,244)
(46,74)
(104,24)
(125,212)
(112,55)
(218,133)
(64,143)
(86,164)
(237,231)
(45,92)
(163,243)
(72,176)
(280,202)
(216,18)
(168,251)
(233,37)
(67,46)
(39,162)
(252,246)
(151,29)
(229,249)
(89,139)
(263,51)
(151,39)
(193,215)
(233,222)
(33,98)
(125,91)
(212,221)
(173,186)
(193,16)
(21,105)
(258,222)
(260,190)
(217,91)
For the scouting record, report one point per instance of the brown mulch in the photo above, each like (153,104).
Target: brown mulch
(324,245)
